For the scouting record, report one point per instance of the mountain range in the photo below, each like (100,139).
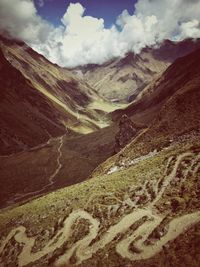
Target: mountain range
(122,79)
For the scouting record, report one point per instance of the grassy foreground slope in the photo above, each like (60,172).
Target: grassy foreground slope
(125,218)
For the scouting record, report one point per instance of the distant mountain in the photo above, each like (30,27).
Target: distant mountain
(40,100)
(122,79)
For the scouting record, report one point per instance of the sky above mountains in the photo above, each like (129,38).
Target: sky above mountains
(72,33)
(53,10)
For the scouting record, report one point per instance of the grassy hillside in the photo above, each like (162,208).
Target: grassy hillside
(103,220)
(183,73)
(26,117)
(45,113)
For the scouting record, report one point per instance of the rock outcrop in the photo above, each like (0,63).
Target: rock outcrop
(126,133)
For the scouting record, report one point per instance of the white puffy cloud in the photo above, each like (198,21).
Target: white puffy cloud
(136,31)
(190,29)
(19,18)
(171,16)
(84,39)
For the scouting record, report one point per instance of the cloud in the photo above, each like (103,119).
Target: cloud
(82,39)
(20,20)
(190,29)
(171,16)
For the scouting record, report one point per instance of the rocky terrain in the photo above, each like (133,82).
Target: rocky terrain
(177,92)
(127,130)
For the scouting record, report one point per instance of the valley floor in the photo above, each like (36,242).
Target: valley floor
(60,162)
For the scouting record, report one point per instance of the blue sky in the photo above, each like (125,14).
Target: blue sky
(109,10)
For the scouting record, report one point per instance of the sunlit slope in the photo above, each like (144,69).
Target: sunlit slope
(59,85)
(27,118)
(32,87)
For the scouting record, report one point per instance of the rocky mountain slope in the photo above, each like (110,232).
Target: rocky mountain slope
(141,208)
(177,93)
(40,100)
(123,79)
(127,130)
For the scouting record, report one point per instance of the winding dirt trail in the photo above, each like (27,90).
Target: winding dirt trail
(51,178)
(176,227)
(83,248)
(27,256)
(59,165)
(169,178)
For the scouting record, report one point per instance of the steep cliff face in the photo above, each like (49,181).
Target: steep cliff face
(123,79)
